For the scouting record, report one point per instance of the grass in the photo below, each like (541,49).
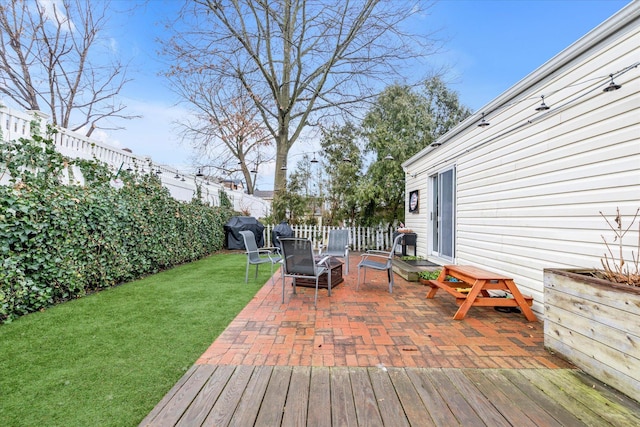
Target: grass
(108,359)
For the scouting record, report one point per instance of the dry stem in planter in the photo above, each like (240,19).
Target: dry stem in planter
(621,273)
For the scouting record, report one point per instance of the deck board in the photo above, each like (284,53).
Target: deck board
(412,404)
(439,411)
(563,397)
(295,411)
(482,406)
(226,404)
(272,407)
(351,396)
(343,409)
(320,397)
(461,401)
(251,400)
(388,401)
(364,398)
(559,412)
(206,398)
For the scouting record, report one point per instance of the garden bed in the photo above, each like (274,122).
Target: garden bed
(410,269)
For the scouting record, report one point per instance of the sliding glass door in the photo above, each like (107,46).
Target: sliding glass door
(443,214)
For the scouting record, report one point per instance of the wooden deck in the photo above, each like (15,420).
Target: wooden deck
(244,395)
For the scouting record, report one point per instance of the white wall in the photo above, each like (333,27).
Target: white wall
(16,124)
(531,185)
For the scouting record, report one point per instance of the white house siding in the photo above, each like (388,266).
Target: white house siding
(529,187)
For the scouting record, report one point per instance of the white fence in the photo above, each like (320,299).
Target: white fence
(360,238)
(16,124)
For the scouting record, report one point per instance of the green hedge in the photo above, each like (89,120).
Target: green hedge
(59,242)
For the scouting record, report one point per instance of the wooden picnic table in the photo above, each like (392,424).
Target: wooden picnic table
(471,286)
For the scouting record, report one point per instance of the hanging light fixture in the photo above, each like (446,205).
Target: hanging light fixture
(483,123)
(182,179)
(254,170)
(543,106)
(314,160)
(346,159)
(129,168)
(158,172)
(612,86)
(283,168)
(388,157)
(177,175)
(199,173)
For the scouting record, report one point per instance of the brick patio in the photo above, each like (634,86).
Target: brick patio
(371,327)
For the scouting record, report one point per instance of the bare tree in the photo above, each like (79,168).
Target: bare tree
(227,132)
(54,61)
(299,60)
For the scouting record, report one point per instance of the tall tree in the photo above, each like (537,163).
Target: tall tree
(304,181)
(443,105)
(225,130)
(396,127)
(299,60)
(342,159)
(402,122)
(53,60)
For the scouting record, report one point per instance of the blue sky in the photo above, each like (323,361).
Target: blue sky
(488,46)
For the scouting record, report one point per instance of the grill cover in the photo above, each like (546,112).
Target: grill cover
(281,230)
(233,227)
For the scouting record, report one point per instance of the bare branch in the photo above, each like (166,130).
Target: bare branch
(57,62)
(298,60)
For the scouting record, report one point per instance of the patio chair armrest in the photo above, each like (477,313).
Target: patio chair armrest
(324,261)
(268,250)
(376,254)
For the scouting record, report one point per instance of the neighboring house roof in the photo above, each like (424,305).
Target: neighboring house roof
(264,194)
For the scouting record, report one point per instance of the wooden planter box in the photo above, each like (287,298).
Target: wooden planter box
(595,324)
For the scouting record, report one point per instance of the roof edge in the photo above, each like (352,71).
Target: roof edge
(620,19)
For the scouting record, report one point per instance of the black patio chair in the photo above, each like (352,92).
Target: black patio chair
(299,262)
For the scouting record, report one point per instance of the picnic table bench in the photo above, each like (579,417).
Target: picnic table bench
(471,286)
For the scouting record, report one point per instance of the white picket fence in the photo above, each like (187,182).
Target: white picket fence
(360,238)
(16,124)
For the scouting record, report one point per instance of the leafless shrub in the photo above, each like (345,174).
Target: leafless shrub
(619,271)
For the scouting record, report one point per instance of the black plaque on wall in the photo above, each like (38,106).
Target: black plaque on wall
(414,200)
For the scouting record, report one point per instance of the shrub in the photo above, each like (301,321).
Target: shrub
(429,275)
(58,242)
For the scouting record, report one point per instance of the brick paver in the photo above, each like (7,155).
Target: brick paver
(371,327)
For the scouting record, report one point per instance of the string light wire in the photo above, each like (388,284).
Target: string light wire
(536,117)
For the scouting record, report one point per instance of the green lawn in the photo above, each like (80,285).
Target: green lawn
(107,359)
